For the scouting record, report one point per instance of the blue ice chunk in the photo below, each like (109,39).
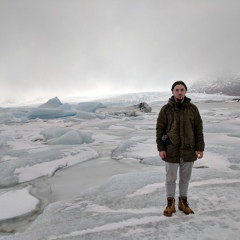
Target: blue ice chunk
(66,136)
(90,106)
(85,115)
(49,113)
(65,106)
(51,103)
(19,114)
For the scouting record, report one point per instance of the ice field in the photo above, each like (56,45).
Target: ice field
(92,171)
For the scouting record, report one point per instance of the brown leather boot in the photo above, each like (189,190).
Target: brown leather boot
(183,206)
(170,209)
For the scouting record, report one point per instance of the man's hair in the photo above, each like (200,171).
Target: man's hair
(178,83)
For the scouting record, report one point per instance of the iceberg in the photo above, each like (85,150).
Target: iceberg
(6,118)
(90,106)
(85,115)
(19,114)
(48,113)
(66,136)
(69,138)
(51,103)
(65,106)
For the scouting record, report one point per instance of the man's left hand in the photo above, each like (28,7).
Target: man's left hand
(199,154)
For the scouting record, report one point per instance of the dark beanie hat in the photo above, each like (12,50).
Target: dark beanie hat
(177,83)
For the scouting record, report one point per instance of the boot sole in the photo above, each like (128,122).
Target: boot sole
(168,215)
(186,212)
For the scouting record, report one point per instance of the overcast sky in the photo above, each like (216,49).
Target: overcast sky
(91,47)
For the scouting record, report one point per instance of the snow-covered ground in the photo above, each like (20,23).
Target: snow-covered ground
(72,174)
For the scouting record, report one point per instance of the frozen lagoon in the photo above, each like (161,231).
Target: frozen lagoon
(87,204)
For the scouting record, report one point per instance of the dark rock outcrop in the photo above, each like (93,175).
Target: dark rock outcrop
(129,111)
(143,107)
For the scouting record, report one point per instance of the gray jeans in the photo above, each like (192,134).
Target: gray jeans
(185,171)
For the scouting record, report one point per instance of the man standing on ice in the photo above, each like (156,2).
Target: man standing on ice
(180,141)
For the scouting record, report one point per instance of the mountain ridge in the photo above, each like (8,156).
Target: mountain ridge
(221,85)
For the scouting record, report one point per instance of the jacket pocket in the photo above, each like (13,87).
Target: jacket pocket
(172,150)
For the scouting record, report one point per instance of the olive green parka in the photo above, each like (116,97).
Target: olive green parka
(182,123)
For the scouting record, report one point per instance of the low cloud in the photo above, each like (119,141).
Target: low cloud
(77,47)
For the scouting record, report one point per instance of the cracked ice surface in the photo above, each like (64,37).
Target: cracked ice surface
(124,189)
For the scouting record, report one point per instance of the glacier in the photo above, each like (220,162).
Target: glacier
(101,174)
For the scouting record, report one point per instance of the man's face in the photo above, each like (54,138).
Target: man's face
(179,93)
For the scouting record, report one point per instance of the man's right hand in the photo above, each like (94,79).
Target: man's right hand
(162,154)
